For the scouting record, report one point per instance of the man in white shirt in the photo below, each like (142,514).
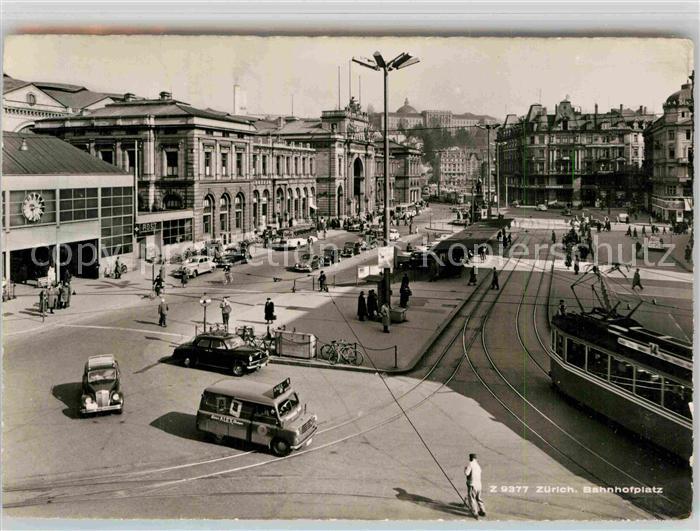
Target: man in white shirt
(473,474)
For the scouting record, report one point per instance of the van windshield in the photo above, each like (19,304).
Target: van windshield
(288,406)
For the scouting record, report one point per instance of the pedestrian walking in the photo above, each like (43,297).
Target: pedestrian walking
(637,280)
(473,272)
(227,274)
(634,232)
(361,307)
(158,284)
(474,501)
(69,293)
(51,297)
(554,237)
(43,304)
(225,311)
(663,229)
(404,294)
(629,231)
(385,314)
(494,279)
(372,305)
(576,267)
(322,285)
(63,296)
(162,312)
(117,269)
(269,311)
(183,278)
(644,230)
(562,307)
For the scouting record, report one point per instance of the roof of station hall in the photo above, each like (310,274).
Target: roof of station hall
(162,108)
(48,155)
(73,96)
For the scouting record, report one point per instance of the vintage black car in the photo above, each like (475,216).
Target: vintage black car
(331,255)
(232,258)
(100,388)
(222,350)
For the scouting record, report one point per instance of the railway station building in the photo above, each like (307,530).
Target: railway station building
(63,208)
(202,174)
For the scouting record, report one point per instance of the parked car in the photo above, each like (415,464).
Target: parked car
(101,389)
(331,256)
(394,235)
(222,350)
(348,249)
(308,262)
(542,207)
(197,265)
(232,258)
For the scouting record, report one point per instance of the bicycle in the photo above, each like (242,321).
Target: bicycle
(341,351)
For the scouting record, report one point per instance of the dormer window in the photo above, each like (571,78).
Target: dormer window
(565,125)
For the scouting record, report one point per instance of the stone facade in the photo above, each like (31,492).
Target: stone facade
(202,174)
(669,152)
(573,157)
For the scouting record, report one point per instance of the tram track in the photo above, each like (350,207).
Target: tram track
(522,399)
(449,333)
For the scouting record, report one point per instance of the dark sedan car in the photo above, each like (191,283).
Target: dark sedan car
(225,351)
(100,390)
(232,258)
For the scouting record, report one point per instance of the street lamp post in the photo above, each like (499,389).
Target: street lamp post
(204,301)
(378,63)
(488,128)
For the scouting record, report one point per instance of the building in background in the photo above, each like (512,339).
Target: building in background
(669,153)
(407,117)
(202,174)
(24,102)
(345,163)
(591,159)
(62,208)
(459,169)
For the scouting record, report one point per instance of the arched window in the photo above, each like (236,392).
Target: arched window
(264,206)
(239,207)
(207,212)
(224,221)
(172,202)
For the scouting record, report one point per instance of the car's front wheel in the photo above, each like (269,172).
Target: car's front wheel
(238,369)
(280,447)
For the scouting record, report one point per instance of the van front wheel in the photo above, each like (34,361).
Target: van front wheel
(280,447)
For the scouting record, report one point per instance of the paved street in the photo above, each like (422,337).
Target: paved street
(481,386)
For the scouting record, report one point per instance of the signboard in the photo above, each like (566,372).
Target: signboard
(653,350)
(653,243)
(385,257)
(281,388)
(144,229)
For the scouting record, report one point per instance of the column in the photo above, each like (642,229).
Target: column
(149,156)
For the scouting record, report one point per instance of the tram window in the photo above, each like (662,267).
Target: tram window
(597,363)
(621,373)
(647,385)
(576,353)
(559,345)
(677,397)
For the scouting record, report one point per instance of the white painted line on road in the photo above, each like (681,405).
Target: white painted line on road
(144,330)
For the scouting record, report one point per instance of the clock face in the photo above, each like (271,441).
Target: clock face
(33,206)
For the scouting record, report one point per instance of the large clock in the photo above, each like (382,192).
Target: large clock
(33,206)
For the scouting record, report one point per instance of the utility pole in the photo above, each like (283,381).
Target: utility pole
(378,63)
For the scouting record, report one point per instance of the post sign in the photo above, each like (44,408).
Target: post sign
(146,229)
(386,257)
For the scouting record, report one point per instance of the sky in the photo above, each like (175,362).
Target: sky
(484,75)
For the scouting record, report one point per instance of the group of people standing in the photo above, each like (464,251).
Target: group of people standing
(374,307)
(57,296)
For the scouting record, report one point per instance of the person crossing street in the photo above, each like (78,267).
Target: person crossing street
(474,501)
(162,312)
(225,312)
(494,279)
(322,285)
(637,280)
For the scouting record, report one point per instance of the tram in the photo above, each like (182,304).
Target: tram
(638,378)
